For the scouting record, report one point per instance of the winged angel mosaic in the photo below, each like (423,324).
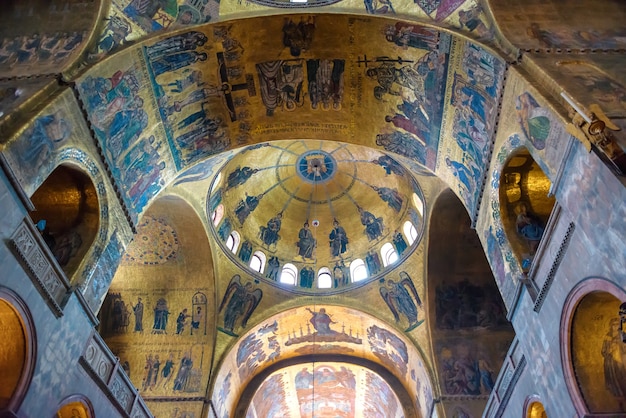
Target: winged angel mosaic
(402,298)
(239,300)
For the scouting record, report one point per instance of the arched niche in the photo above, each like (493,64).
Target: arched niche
(17,350)
(75,406)
(592,349)
(469,330)
(525,204)
(303,335)
(536,410)
(67,214)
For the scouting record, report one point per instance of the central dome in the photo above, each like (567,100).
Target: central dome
(315,206)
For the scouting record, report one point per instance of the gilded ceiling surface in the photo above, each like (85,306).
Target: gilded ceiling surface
(168,104)
(317,204)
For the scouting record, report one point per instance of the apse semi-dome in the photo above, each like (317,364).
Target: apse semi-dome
(315,214)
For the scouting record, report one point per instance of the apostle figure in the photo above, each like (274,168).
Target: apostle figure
(306,242)
(391,196)
(269,233)
(138,311)
(373,225)
(399,242)
(160,317)
(338,239)
(246,206)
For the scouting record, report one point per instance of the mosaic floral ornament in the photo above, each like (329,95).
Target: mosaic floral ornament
(156,242)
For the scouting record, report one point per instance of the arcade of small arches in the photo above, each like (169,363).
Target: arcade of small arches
(357,270)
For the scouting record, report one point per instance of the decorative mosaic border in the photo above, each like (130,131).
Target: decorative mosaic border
(514,273)
(80,158)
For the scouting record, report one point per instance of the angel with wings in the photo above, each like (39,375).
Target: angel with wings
(239,300)
(400,301)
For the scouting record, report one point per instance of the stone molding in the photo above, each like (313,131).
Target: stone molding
(41,266)
(100,363)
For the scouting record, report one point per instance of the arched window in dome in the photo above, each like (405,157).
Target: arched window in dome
(233,240)
(289,274)
(257,262)
(389,254)
(324,278)
(358,271)
(419,204)
(217,215)
(217,182)
(410,232)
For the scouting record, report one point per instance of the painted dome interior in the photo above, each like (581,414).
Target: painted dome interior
(318,205)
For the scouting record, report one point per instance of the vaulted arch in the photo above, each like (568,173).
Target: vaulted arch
(164,292)
(463,297)
(277,343)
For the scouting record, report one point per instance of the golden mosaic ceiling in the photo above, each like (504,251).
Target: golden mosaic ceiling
(316,203)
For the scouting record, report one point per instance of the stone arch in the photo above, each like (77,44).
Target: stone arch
(276,342)
(525,204)
(79,160)
(67,213)
(75,406)
(503,262)
(592,353)
(17,350)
